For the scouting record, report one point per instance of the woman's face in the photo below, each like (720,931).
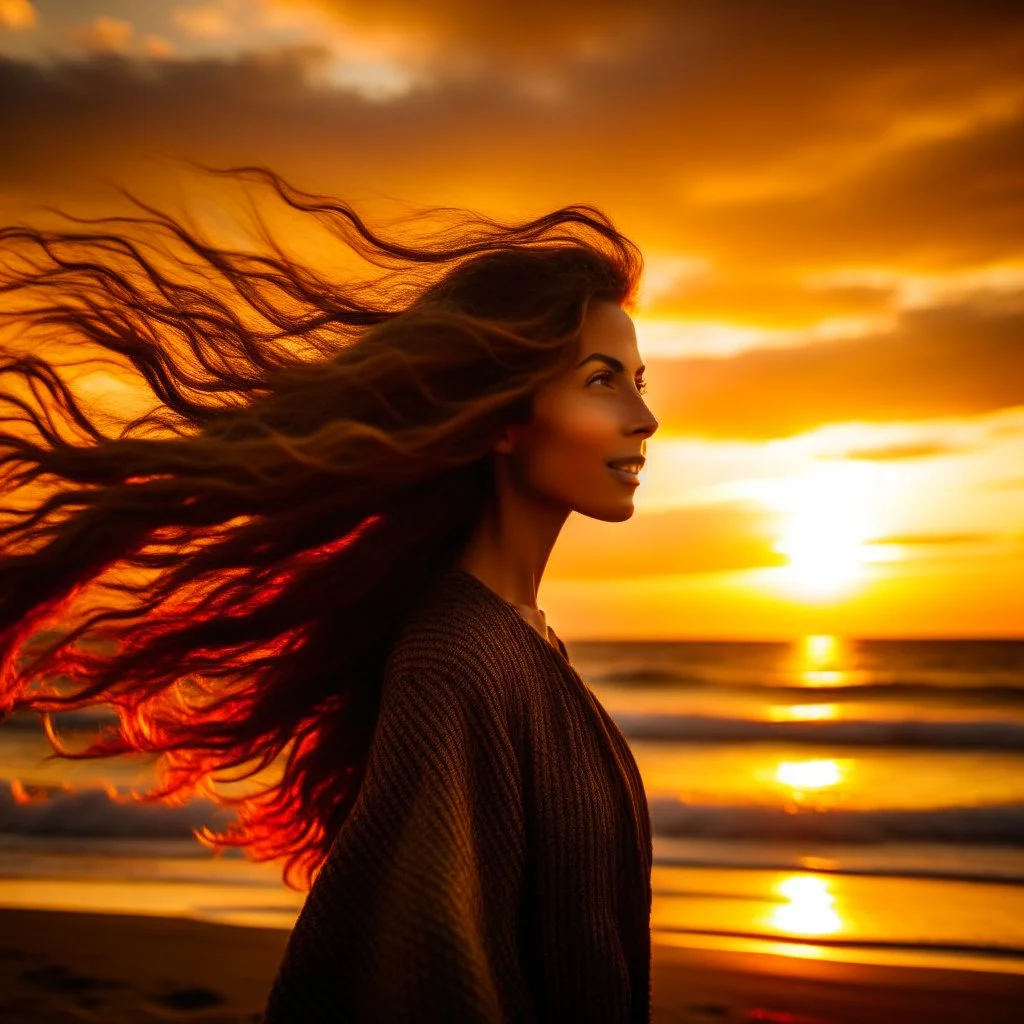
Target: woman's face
(592,416)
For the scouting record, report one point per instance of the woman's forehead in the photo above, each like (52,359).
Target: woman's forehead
(609,329)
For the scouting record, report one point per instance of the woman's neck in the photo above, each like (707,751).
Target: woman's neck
(536,618)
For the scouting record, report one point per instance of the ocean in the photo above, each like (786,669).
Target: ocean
(846,799)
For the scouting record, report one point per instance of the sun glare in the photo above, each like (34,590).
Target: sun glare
(809,908)
(803,712)
(827,522)
(819,661)
(803,775)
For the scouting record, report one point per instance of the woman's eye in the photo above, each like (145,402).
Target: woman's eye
(641,385)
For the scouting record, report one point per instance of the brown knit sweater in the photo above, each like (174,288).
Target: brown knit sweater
(496,866)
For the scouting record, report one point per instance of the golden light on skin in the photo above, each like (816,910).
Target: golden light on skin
(809,908)
(799,776)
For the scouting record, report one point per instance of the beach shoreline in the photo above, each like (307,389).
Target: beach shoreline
(61,966)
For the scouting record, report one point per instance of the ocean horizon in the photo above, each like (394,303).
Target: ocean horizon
(857,799)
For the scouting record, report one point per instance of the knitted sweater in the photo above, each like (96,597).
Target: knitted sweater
(496,865)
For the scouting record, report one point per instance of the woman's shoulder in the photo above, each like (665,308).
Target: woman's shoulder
(460,644)
(466,640)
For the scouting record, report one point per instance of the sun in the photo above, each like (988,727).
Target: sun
(827,519)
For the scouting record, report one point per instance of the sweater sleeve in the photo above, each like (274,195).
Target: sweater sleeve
(414,914)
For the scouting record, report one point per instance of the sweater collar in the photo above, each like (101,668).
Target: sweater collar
(497,600)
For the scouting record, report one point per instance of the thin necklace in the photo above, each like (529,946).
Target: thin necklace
(537,611)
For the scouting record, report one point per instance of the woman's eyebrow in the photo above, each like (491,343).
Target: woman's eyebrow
(610,360)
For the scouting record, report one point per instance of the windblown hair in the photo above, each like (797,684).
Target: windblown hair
(227,571)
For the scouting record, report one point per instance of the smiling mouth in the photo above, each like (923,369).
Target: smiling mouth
(625,476)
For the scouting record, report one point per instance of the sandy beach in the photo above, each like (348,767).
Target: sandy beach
(58,967)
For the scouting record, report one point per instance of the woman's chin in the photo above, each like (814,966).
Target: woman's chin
(617,513)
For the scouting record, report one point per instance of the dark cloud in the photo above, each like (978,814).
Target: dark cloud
(756,134)
(947,204)
(765,34)
(766,303)
(944,361)
(106,114)
(774,140)
(103,114)
(531,33)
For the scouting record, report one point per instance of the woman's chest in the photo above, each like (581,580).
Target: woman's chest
(580,781)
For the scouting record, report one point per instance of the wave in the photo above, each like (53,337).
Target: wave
(984,734)
(965,688)
(94,813)
(981,875)
(993,824)
(831,942)
(58,812)
(980,734)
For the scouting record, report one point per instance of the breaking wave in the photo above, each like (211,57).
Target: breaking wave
(995,824)
(985,734)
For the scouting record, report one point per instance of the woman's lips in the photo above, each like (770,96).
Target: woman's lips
(625,476)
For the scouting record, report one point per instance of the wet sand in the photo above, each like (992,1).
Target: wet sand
(58,967)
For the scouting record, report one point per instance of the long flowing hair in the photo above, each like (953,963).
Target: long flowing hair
(226,571)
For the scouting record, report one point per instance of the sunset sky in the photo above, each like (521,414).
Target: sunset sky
(829,199)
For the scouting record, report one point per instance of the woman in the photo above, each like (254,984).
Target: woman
(326,544)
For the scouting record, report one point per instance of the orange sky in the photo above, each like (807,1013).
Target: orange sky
(830,203)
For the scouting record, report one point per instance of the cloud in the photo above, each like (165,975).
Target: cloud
(938,539)
(637,141)
(902,451)
(19,15)
(751,299)
(529,34)
(105,34)
(1010,483)
(760,147)
(206,22)
(157,47)
(945,361)
(724,537)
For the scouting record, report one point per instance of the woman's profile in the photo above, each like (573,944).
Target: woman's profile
(315,561)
